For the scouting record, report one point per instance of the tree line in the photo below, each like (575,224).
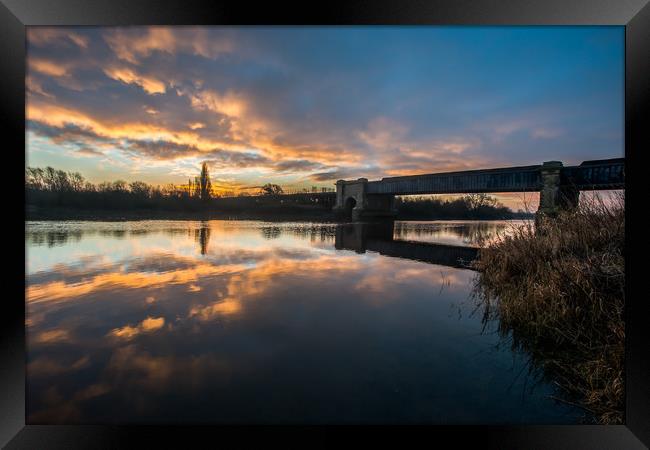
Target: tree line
(470,206)
(51,187)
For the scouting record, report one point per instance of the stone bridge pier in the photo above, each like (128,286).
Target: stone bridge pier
(353,200)
(555,195)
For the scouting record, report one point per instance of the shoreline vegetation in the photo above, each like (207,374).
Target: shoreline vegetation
(57,195)
(558,295)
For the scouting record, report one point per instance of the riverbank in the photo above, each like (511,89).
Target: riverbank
(558,294)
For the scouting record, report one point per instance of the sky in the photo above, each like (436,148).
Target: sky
(306,106)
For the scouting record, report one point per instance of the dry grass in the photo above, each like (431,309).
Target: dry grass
(558,292)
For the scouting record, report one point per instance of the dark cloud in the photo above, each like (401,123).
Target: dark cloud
(87,151)
(349,173)
(85,139)
(224,159)
(68,133)
(299,165)
(161,149)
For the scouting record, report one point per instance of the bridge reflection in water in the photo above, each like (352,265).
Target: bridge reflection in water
(378,237)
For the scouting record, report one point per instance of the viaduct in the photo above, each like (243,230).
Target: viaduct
(559,186)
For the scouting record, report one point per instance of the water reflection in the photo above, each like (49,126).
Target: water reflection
(202,236)
(455,232)
(51,237)
(379,238)
(235,322)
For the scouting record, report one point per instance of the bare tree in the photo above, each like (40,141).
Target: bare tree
(76,181)
(271,189)
(481,200)
(140,189)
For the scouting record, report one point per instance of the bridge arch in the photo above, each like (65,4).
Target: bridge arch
(350,203)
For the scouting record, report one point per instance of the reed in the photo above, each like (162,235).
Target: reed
(558,293)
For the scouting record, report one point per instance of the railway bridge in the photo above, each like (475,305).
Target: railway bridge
(559,186)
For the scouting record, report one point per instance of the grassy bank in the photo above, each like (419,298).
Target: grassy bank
(558,293)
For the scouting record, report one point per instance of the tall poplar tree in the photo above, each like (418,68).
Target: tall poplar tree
(205,185)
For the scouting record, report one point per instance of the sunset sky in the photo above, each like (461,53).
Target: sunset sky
(305,106)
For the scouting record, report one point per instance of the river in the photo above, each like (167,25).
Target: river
(273,322)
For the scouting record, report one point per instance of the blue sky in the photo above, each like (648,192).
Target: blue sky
(303,106)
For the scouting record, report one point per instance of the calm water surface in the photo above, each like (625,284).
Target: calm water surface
(243,321)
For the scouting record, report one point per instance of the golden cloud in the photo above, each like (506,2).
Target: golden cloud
(60,117)
(47,67)
(50,35)
(132,44)
(130,76)
(147,325)
(127,46)
(228,104)
(52,336)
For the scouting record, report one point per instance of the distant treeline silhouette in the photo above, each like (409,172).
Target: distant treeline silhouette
(51,188)
(54,191)
(470,206)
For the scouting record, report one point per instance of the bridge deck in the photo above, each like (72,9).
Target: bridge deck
(590,175)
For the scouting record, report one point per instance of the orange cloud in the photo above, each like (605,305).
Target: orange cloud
(49,35)
(58,116)
(129,76)
(131,44)
(47,67)
(52,336)
(128,47)
(225,307)
(147,325)
(248,132)
(229,103)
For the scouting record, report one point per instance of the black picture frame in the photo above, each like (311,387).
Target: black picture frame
(15,15)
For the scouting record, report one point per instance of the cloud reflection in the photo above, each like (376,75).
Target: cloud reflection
(196,332)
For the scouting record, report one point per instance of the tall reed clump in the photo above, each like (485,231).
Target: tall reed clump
(558,293)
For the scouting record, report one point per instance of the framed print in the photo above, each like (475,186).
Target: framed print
(371,217)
